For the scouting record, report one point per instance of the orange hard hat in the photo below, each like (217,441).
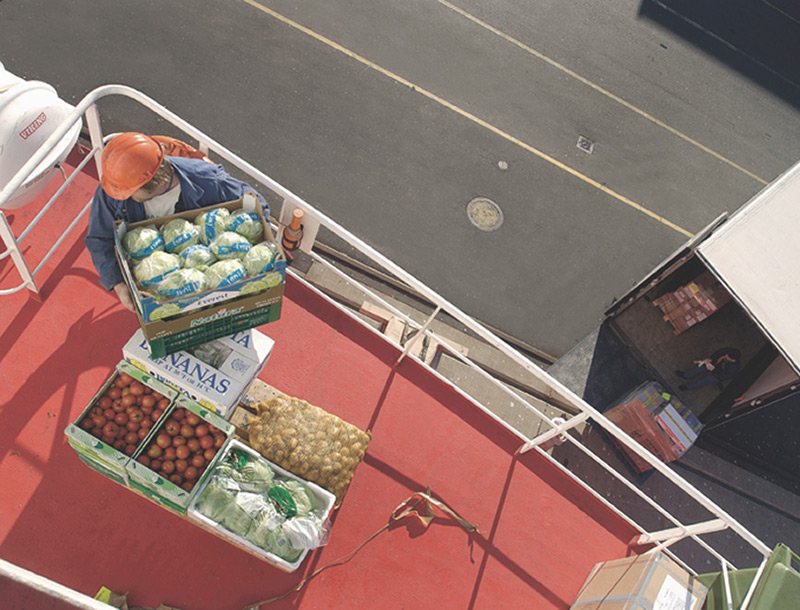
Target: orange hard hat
(129,161)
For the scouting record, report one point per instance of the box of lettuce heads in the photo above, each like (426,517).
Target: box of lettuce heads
(262,508)
(185,268)
(214,374)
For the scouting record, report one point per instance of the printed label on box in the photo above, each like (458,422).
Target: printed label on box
(674,596)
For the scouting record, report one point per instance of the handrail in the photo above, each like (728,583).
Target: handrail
(87,106)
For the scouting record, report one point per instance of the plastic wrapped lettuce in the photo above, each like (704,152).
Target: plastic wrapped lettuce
(259,258)
(141,242)
(224,273)
(246,224)
(229,245)
(179,234)
(155,268)
(212,223)
(197,256)
(182,282)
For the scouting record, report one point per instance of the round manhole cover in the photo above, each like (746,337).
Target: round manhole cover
(484,214)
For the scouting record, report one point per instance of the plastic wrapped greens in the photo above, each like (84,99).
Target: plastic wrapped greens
(259,258)
(224,273)
(197,256)
(141,242)
(156,267)
(216,496)
(229,245)
(246,224)
(212,223)
(179,234)
(182,282)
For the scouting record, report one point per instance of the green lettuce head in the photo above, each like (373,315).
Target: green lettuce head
(141,242)
(259,258)
(246,224)
(224,273)
(179,234)
(229,245)
(197,256)
(212,223)
(155,268)
(182,282)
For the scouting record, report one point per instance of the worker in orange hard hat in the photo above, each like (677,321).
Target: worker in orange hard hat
(143,177)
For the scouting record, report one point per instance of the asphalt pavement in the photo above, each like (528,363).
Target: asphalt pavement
(606,133)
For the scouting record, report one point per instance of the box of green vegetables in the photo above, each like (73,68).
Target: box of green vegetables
(262,508)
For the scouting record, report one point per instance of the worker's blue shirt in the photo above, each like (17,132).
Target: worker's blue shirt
(202,184)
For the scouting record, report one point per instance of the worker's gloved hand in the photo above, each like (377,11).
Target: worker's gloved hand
(124,296)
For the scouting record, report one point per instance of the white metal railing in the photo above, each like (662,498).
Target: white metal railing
(556,428)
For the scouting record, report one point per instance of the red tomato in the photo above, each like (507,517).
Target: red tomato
(130,449)
(132,426)
(187,485)
(157,396)
(95,410)
(137,416)
(181,465)
(121,419)
(178,413)
(137,388)
(193,419)
(182,452)
(198,461)
(163,440)
(86,423)
(99,420)
(155,465)
(177,441)
(168,466)
(176,478)
(172,427)
(142,432)
(194,445)
(126,379)
(120,382)
(129,400)
(170,453)
(146,423)
(191,473)
(201,430)
(207,442)
(104,403)
(119,444)
(107,439)
(109,413)
(209,454)
(132,438)
(148,401)
(143,459)
(97,431)
(114,393)
(111,429)
(163,404)
(156,414)
(187,431)
(219,440)
(154,451)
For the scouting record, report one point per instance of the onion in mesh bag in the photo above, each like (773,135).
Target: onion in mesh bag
(224,273)
(212,223)
(179,234)
(182,282)
(246,224)
(197,256)
(259,257)
(229,245)
(141,242)
(156,267)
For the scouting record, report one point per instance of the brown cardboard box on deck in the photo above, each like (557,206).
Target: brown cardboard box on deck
(651,580)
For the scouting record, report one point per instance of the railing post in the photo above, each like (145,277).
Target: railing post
(16,255)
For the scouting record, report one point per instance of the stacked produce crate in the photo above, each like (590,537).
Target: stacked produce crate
(693,303)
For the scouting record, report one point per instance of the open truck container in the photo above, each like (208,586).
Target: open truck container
(738,283)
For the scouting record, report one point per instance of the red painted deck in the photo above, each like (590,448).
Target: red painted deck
(539,533)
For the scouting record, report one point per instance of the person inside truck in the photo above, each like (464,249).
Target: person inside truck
(141,180)
(720,366)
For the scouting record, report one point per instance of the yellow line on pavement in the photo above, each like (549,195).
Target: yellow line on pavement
(600,89)
(467,115)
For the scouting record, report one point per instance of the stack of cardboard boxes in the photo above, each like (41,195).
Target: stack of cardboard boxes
(658,421)
(693,302)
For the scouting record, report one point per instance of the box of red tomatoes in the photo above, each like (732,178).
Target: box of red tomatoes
(178,454)
(118,420)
